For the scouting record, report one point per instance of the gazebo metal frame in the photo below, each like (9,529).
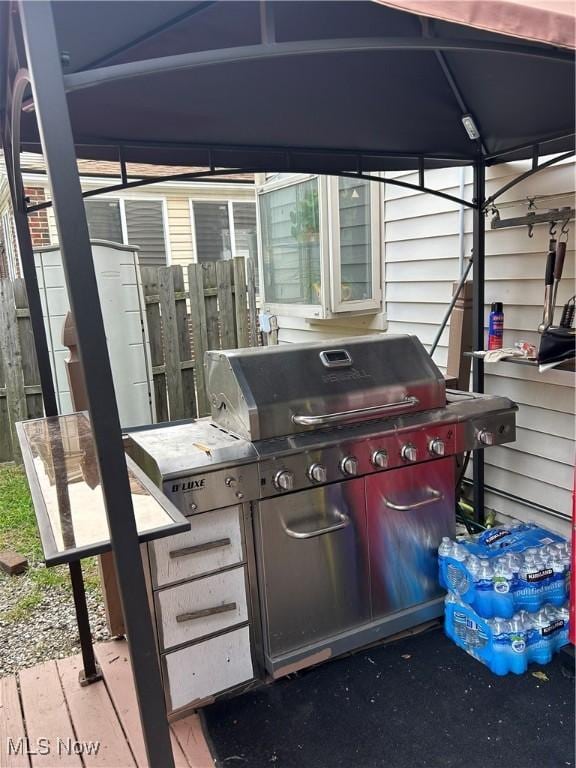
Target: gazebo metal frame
(29,26)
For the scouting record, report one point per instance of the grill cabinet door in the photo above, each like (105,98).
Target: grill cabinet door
(313,564)
(409,510)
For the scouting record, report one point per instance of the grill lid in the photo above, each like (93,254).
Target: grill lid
(266,392)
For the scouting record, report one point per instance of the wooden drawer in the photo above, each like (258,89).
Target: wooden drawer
(200,671)
(202,607)
(214,542)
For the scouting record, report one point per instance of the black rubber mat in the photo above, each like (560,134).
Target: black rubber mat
(418,702)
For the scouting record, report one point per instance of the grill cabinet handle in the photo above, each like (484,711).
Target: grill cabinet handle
(343,416)
(343,522)
(431,499)
(197,548)
(205,612)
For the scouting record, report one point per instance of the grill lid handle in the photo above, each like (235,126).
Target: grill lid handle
(344,416)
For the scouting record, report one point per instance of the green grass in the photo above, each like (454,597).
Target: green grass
(18,532)
(18,529)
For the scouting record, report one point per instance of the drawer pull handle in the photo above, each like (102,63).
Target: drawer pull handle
(206,612)
(208,545)
(431,499)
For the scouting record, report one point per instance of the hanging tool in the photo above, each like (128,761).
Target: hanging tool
(567,320)
(548,281)
(558,267)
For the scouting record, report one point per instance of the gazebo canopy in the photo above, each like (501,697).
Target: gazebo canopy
(315,86)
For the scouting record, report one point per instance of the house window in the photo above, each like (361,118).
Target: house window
(320,245)
(290,232)
(10,252)
(224,230)
(134,221)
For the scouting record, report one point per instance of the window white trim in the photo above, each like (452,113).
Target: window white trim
(338,303)
(331,304)
(316,311)
(139,198)
(229,202)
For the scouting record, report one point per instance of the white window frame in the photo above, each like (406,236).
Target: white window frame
(296,310)
(229,202)
(139,198)
(338,303)
(331,305)
(10,247)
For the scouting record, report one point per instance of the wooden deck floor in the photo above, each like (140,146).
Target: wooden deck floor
(47,708)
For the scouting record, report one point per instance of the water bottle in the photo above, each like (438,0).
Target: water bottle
(500,628)
(444,551)
(518,656)
(527,595)
(557,592)
(563,615)
(503,597)
(484,589)
(456,576)
(541,650)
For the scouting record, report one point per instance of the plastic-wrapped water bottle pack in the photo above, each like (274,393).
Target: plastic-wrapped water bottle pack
(507,602)
(507,645)
(507,569)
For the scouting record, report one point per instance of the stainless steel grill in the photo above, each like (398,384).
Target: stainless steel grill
(343,457)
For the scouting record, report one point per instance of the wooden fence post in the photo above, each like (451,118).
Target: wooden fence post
(252,315)
(240,312)
(149,277)
(225,304)
(12,363)
(199,333)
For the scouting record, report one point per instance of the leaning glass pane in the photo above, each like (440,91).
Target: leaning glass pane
(291,243)
(355,239)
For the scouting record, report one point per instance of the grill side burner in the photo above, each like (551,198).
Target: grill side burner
(338,464)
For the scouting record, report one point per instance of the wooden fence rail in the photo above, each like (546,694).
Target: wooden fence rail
(214,308)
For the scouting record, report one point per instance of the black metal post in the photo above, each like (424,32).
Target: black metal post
(57,142)
(11,143)
(478,254)
(32,291)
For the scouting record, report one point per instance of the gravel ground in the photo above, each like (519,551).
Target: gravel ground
(38,625)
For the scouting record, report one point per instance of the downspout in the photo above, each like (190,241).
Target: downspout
(461,223)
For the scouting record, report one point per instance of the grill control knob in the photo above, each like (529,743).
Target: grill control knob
(486,438)
(284,480)
(436,447)
(380,459)
(409,452)
(349,465)
(317,473)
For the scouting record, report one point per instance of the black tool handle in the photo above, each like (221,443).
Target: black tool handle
(559,260)
(549,274)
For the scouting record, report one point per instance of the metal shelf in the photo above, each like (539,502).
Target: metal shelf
(567,365)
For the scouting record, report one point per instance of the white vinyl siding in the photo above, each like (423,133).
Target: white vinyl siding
(421,234)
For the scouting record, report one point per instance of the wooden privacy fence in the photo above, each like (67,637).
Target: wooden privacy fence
(217,311)
(20,392)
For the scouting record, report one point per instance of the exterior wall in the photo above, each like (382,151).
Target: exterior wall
(178,224)
(421,255)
